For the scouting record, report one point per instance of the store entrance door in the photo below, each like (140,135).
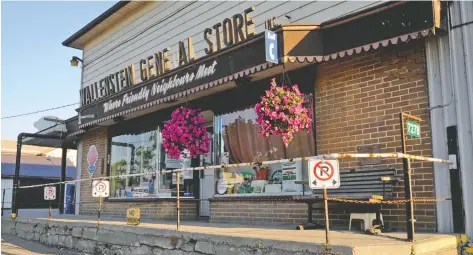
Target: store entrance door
(207,184)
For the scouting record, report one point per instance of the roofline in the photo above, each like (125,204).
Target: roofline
(329,23)
(359,14)
(75,117)
(95,22)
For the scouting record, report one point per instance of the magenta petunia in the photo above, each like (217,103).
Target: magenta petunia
(185,131)
(281,112)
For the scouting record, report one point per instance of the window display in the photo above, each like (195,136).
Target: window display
(242,143)
(131,154)
(168,181)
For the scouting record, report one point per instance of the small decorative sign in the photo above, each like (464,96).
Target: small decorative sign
(92,157)
(413,128)
(133,216)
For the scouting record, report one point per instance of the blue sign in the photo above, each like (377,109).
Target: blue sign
(70,196)
(91,169)
(271,46)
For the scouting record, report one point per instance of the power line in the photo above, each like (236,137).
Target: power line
(45,110)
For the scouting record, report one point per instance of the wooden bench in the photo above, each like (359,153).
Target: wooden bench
(364,185)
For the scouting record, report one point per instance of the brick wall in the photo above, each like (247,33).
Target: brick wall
(99,139)
(270,212)
(156,209)
(358,101)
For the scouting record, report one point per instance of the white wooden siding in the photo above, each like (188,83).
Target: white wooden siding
(105,57)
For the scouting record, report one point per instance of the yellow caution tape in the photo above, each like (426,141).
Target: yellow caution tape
(397,201)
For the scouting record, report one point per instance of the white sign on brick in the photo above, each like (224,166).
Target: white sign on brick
(324,174)
(49,193)
(100,188)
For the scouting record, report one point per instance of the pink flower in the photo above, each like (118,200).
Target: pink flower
(282,112)
(184,131)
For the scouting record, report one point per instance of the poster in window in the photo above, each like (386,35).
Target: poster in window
(174,178)
(291,172)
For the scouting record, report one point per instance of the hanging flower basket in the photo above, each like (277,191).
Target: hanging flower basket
(282,112)
(186,131)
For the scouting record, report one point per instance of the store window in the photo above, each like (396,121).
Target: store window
(132,154)
(143,153)
(242,142)
(168,181)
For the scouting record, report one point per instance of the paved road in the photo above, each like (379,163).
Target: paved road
(17,246)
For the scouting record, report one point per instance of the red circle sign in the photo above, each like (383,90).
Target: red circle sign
(50,192)
(319,171)
(100,187)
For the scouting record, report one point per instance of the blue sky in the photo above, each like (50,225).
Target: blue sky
(36,72)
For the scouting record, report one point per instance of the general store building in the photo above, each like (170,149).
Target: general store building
(359,63)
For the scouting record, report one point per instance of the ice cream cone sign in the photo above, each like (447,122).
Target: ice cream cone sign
(92,157)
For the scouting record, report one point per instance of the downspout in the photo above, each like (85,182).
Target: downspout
(17,165)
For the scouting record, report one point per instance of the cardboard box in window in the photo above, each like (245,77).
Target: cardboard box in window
(164,193)
(258,185)
(141,191)
(182,162)
(174,178)
(233,178)
(273,188)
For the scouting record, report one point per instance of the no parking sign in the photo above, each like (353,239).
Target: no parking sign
(49,193)
(100,188)
(324,174)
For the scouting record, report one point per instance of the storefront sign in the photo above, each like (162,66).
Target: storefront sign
(233,30)
(159,88)
(199,73)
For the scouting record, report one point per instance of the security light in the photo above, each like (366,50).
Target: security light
(75,61)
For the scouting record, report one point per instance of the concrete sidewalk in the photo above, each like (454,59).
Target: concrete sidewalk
(274,237)
(14,246)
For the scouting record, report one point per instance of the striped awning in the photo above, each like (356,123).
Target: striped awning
(357,50)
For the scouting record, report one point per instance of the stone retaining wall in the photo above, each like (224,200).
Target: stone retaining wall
(142,240)
(111,239)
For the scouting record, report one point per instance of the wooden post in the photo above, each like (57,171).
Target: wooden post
(327,240)
(50,210)
(407,180)
(100,208)
(178,202)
